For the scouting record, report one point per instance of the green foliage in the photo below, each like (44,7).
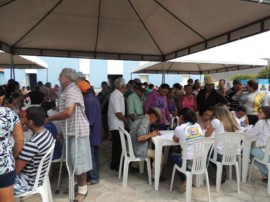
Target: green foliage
(263,74)
(244,76)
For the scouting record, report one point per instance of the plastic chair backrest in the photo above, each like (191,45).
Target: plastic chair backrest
(126,143)
(232,145)
(44,163)
(267,151)
(202,147)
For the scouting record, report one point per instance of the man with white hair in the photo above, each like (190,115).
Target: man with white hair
(71,95)
(116,119)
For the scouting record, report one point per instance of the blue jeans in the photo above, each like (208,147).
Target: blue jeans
(178,160)
(259,153)
(94,173)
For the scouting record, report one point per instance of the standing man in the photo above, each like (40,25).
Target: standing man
(71,95)
(103,97)
(237,86)
(135,102)
(209,96)
(92,111)
(221,87)
(116,119)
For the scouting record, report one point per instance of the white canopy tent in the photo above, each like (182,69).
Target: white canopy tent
(8,61)
(196,67)
(142,30)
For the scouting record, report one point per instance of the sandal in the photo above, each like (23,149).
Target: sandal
(182,188)
(265,178)
(80,197)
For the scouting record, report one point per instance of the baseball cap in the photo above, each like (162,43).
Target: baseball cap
(80,75)
(140,86)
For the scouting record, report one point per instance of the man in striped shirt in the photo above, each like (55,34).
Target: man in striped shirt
(29,158)
(69,97)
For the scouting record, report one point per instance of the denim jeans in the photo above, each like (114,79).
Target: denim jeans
(94,173)
(177,159)
(259,153)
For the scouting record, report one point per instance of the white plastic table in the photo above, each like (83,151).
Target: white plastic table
(165,139)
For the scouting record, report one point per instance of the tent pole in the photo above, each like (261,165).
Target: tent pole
(12,71)
(163,73)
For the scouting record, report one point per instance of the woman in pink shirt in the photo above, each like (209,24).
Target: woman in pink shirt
(188,100)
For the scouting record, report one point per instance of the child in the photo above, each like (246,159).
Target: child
(240,114)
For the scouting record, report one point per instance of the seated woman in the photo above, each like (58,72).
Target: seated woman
(204,119)
(222,122)
(261,131)
(188,130)
(10,126)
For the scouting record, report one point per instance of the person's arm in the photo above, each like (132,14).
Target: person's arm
(62,115)
(175,139)
(18,139)
(209,131)
(148,102)
(19,165)
(246,120)
(121,117)
(145,137)
(130,108)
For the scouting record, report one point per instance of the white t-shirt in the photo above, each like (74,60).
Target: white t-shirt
(261,131)
(188,131)
(219,128)
(241,121)
(116,105)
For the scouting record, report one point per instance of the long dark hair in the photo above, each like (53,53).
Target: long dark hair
(188,115)
(266,111)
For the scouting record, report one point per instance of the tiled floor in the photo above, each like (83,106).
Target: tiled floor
(110,188)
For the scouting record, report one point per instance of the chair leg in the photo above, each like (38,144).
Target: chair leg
(237,177)
(49,190)
(218,177)
(173,174)
(141,166)
(125,174)
(44,195)
(120,166)
(188,186)
(149,171)
(250,169)
(230,172)
(207,184)
(268,183)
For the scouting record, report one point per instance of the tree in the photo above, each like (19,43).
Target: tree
(244,76)
(264,74)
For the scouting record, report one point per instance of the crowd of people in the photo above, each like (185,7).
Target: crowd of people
(141,108)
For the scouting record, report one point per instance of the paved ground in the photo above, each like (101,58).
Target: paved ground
(110,188)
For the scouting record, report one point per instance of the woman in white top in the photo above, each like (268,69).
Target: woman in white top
(188,130)
(223,121)
(261,131)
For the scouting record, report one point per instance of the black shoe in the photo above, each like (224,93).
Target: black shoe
(114,168)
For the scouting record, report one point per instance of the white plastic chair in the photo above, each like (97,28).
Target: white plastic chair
(264,161)
(232,146)
(128,156)
(201,149)
(42,182)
